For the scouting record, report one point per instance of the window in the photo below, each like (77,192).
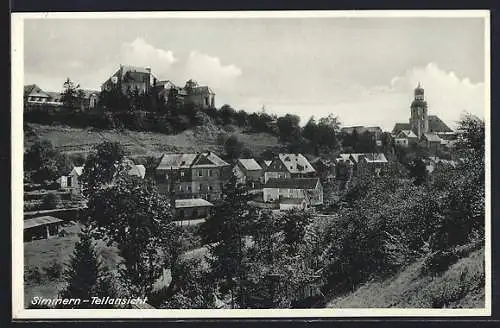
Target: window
(200,173)
(180,187)
(182,173)
(189,188)
(209,173)
(210,188)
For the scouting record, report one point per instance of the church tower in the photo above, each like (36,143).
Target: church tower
(419,122)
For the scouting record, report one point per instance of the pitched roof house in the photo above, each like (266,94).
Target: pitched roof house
(288,166)
(286,188)
(247,169)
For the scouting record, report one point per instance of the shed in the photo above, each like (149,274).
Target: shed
(42,227)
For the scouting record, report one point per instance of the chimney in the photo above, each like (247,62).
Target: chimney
(148,69)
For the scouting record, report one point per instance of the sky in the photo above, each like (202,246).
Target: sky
(362,70)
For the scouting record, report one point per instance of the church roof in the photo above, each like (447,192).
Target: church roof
(437,125)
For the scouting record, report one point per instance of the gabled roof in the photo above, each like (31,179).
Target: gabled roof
(294,183)
(32,90)
(401,126)
(78,170)
(296,163)
(374,157)
(437,125)
(249,164)
(195,202)
(138,170)
(187,160)
(40,221)
(432,137)
(267,163)
(407,134)
(54,96)
(176,161)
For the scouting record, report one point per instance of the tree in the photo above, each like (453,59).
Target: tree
(82,273)
(227,229)
(233,147)
(293,223)
(131,213)
(45,162)
(101,165)
(471,136)
(288,127)
(72,95)
(418,171)
(227,113)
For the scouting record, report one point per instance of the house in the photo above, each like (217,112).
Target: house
(130,78)
(192,175)
(432,141)
(293,203)
(405,138)
(362,163)
(75,180)
(43,227)
(192,209)
(374,131)
(200,96)
(247,170)
(89,100)
(371,164)
(33,94)
(286,166)
(75,176)
(276,189)
(64,182)
(192,93)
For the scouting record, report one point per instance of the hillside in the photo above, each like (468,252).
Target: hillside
(75,140)
(460,286)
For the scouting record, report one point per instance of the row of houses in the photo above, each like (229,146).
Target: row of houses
(34,97)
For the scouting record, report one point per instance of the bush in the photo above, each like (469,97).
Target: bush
(33,275)
(54,270)
(51,201)
(438,262)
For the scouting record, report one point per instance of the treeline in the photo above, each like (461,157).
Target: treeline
(162,112)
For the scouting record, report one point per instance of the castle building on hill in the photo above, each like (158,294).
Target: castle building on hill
(427,129)
(141,79)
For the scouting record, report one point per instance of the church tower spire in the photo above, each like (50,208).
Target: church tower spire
(419,122)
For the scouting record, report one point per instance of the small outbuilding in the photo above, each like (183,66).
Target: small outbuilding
(43,227)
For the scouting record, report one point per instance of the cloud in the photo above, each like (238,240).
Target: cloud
(209,70)
(141,53)
(447,95)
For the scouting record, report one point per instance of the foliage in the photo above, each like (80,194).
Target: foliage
(132,214)
(233,147)
(82,272)
(288,127)
(44,162)
(71,96)
(51,201)
(102,165)
(226,229)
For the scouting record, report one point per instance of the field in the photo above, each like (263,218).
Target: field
(75,140)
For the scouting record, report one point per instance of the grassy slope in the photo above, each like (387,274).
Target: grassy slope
(141,143)
(41,254)
(461,286)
